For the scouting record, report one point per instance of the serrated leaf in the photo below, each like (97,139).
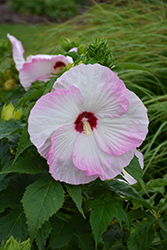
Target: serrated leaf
(61,234)
(101,216)
(142,235)
(13,224)
(42,235)
(9,127)
(126,65)
(76,194)
(31,94)
(40,201)
(163,222)
(23,143)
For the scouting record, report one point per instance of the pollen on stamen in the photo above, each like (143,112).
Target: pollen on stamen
(87,128)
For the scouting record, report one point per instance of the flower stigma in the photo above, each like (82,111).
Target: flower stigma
(86,127)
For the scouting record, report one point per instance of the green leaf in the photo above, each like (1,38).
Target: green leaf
(9,127)
(31,94)
(112,236)
(127,191)
(13,224)
(25,165)
(122,215)
(5,154)
(23,143)
(141,236)
(76,194)
(42,235)
(163,222)
(49,85)
(3,174)
(5,181)
(61,234)
(135,171)
(126,65)
(157,185)
(85,240)
(102,215)
(75,56)
(40,201)
(10,199)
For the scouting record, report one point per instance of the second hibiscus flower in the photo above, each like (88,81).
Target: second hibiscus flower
(89,126)
(38,67)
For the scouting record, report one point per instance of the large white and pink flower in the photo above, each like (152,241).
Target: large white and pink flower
(38,67)
(89,126)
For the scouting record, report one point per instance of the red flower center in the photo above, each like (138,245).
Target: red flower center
(85,122)
(58,67)
(59,64)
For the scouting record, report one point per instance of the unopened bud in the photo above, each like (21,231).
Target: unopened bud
(8,112)
(9,84)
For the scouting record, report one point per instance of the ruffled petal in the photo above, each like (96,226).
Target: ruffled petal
(18,52)
(60,162)
(104,93)
(88,157)
(119,135)
(51,112)
(39,67)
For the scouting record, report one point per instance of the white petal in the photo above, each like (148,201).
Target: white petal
(88,157)
(119,135)
(139,155)
(128,178)
(18,52)
(39,67)
(51,112)
(104,93)
(60,162)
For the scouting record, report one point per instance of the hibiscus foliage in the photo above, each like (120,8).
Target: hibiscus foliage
(47,214)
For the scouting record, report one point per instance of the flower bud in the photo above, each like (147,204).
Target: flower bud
(11,244)
(8,112)
(9,84)
(8,73)
(65,43)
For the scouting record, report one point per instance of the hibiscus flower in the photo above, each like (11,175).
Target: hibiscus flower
(89,126)
(38,67)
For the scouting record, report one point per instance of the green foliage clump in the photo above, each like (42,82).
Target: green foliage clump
(54,9)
